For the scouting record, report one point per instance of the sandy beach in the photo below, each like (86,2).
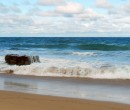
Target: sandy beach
(30,101)
(21,101)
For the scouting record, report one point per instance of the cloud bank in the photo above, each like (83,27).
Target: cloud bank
(65,18)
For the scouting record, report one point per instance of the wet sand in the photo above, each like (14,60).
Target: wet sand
(117,82)
(22,101)
(116,90)
(28,101)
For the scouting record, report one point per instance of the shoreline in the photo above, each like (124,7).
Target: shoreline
(85,88)
(22,101)
(73,79)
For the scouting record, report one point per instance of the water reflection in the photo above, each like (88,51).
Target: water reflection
(19,87)
(67,89)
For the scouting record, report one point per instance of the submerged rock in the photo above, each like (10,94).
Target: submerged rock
(14,59)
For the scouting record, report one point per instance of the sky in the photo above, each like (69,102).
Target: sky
(64,18)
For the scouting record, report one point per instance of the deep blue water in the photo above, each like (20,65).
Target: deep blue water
(103,44)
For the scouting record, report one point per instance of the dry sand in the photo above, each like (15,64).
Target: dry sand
(21,101)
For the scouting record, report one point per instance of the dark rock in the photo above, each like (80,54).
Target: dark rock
(14,59)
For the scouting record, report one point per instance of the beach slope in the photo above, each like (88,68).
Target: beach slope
(21,101)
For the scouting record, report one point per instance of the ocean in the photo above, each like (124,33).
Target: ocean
(95,57)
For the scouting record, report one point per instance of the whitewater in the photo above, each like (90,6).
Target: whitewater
(69,68)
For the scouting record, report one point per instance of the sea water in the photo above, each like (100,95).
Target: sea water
(95,57)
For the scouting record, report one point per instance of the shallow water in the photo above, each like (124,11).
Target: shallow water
(67,88)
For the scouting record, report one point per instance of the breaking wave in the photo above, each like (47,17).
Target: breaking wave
(69,68)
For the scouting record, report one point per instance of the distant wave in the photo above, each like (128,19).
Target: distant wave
(16,48)
(102,47)
(42,46)
(84,53)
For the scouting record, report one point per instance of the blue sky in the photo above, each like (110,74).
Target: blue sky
(71,18)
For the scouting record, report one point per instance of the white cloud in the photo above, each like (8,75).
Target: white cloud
(50,2)
(103,4)
(70,8)
(121,11)
(88,22)
(89,14)
(71,17)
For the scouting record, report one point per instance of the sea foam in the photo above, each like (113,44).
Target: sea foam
(69,68)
